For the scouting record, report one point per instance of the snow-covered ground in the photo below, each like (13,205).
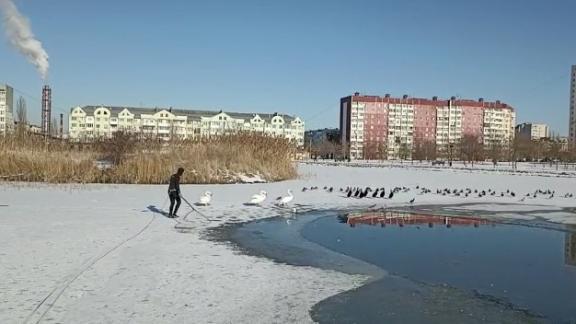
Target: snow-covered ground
(97,253)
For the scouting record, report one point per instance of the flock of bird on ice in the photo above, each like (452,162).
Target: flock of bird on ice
(381,193)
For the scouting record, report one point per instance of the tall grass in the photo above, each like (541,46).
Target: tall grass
(218,160)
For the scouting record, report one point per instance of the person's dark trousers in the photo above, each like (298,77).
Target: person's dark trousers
(174,197)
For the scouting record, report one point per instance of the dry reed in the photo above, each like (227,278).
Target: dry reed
(219,160)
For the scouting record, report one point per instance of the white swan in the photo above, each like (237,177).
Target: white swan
(205,199)
(258,198)
(287,199)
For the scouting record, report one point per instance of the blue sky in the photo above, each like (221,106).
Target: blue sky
(299,57)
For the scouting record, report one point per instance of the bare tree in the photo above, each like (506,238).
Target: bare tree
(537,149)
(326,148)
(404,151)
(21,112)
(116,148)
(522,149)
(495,152)
(471,148)
(21,117)
(424,150)
(375,151)
(382,151)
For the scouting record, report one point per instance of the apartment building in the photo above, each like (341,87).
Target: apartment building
(91,122)
(532,131)
(6,109)
(392,127)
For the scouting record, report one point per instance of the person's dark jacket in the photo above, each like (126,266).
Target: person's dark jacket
(174,186)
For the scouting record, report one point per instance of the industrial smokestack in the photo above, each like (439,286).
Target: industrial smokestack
(46,109)
(20,35)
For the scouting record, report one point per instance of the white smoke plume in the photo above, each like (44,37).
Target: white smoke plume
(21,37)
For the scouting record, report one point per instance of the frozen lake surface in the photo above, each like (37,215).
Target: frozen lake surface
(101,254)
(430,268)
(528,267)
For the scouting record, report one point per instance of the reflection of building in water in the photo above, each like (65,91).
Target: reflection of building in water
(404,219)
(570,246)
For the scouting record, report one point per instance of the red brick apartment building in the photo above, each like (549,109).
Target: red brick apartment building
(374,127)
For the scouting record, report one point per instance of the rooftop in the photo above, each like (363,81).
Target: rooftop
(191,114)
(434,101)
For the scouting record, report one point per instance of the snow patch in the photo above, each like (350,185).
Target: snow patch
(251,178)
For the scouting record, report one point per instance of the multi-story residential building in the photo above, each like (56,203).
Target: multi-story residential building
(531,131)
(392,127)
(6,109)
(318,136)
(90,122)
(572,120)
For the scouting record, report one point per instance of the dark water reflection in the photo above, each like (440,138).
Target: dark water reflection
(530,268)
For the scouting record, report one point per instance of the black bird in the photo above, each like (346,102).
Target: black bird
(383,193)
(391,195)
(375,194)
(512,194)
(365,192)
(349,194)
(330,189)
(304,189)
(325,188)
(412,201)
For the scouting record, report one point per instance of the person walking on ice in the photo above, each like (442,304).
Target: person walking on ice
(174,192)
